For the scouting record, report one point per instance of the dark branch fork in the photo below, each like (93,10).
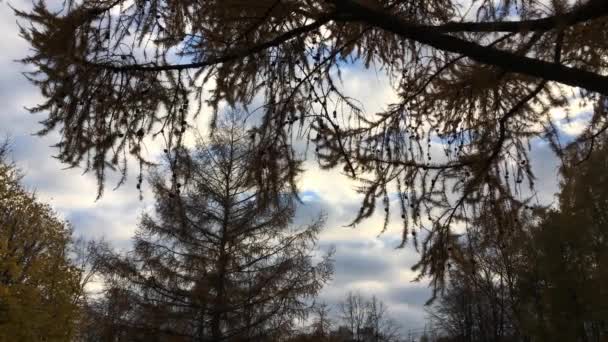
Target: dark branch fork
(486,55)
(594,9)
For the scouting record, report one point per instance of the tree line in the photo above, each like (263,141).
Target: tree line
(543,278)
(220,261)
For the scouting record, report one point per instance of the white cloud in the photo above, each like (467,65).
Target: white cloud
(573,128)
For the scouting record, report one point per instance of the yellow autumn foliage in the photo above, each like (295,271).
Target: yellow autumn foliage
(38,284)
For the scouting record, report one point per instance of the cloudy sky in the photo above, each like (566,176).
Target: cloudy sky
(364,261)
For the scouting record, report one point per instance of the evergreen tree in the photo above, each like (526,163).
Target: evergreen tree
(218,262)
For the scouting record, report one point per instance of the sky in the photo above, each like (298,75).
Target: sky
(365,260)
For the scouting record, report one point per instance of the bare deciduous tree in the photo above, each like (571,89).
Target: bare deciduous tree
(384,328)
(368,319)
(353,313)
(322,323)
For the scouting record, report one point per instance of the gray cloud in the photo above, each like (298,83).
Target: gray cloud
(360,264)
(410,294)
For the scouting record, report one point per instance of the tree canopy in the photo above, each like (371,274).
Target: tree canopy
(476,80)
(541,281)
(367,319)
(216,262)
(39,285)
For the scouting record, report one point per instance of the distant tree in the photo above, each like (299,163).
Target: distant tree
(217,262)
(84,257)
(466,310)
(383,328)
(481,300)
(368,319)
(320,328)
(568,254)
(353,313)
(39,284)
(536,277)
(322,323)
(480,81)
